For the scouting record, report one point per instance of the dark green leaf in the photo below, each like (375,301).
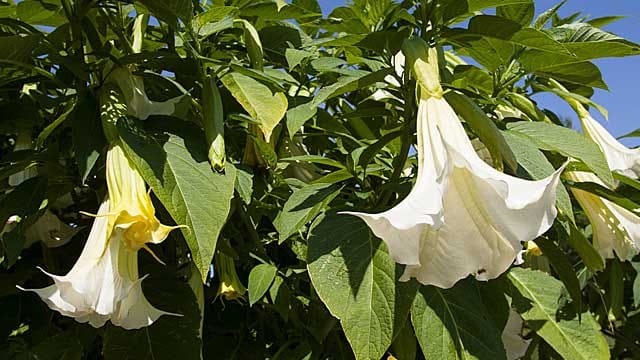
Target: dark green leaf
(454,324)
(260,280)
(357,281)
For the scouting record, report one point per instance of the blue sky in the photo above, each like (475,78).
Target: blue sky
(622,75)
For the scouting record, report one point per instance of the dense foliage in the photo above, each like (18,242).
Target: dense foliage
(254,123)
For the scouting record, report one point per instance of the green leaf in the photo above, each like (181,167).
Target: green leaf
(295,57)
(498,28)
(520,13)
(456,8)
(258,100)
(535,297)
(581,73)
(636,285)
(485,128)
(47,13)
(604,21)
(87,135)
(566,142)
(453,324)
(634,133)
(357,281)
(253,44)
(405,346)
(588,253)
(169,337)
(178,171)
(260,280)
(536,164)
(563,267)
(170,11)
(297,116)
(544,18)
(303,206)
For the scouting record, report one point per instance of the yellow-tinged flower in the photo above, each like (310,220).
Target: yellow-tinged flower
(619,157)
(230,285)
(104,283)
(614,228)
(462,216)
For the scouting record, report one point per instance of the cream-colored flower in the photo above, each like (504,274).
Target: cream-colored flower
(138,104)
(619,157)
(462,216)
(514,344)
(614,228)
(104,284)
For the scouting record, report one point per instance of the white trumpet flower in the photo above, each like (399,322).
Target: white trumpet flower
(619,157)
(462,217)
(138,104)
(104,283)
(615,229)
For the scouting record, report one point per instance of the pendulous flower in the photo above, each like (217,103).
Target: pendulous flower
(462,216)
(104,284)
(231,287)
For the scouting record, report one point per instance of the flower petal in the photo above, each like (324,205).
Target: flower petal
(615,229)
(619,157)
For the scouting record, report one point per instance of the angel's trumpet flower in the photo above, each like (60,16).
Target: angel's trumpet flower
(514,343)
(615,229)
(231,287)
(462,217)
(104,283)
(138,104)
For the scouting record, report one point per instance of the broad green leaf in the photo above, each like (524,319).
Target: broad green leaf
(178,171)
(297,116)
(405,346)
(170,11)
(498,28)
(295,57)
(260,280)
(485,128)
(357,281)
(566,142)
(215,19)
(604,21)
(453,324)
(169,337)
(535,297)
(581,73)
(536,164)
(253,43)
(47,13)
(520,13)
(86,131)
(456,8)
(258,100)
(490,53)
(303,206)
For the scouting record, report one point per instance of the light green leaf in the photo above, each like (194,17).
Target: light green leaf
(357,281)
(566,142)
(178,171)
(41,13)
(536,299)
(260,279)
(543,18)
(453,324)
(295,57)
(257,99)
(303,206)
(457,8)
